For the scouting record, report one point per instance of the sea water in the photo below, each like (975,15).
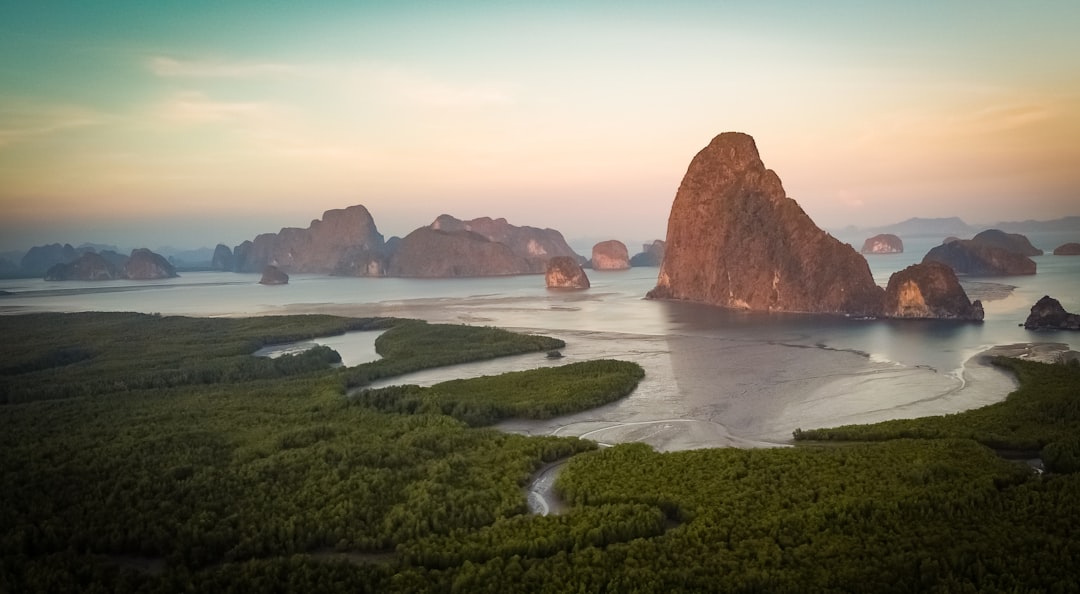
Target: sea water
(713,376)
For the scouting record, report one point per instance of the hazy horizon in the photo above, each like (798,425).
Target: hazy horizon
(189,125)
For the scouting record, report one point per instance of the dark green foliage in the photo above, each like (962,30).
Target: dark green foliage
(1062,455)
(1044,409)
(534,394)
(412,345)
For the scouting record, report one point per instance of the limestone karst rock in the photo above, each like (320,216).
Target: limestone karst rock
(272,275)
(652,254)
(736,240)
(564,272)
(534,245)
(1067,249)
(144,264)
(610,255)
(1048,314)
(90,266)
(884,243)
(435,253)
(967,256)
(1013,242)
(929,290)
(41,258)
(223,258)
(345,241)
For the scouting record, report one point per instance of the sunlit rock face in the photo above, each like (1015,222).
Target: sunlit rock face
(534,245)
(144,264)
(1048,314)
(345,241)
(885,243)
(563,272)
(87,267)
(929,290)
(967,256)
(610,255)
(272,275)
(736,240)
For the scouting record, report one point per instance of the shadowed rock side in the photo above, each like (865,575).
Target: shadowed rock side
(533,245)
(272,275)
(1013,242)
(1067,249)
(434,253)
(88,267)
(610,255)
(146,265)
(736,240)
(222,259)
(344,241)
(885,243)
(40,258)
(652,254)
(967,256)
(1048,314)
(950,239)
(564,272)
(929,290)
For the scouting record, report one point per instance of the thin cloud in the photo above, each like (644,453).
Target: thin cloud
(197,108)
(21,123)
(167,67)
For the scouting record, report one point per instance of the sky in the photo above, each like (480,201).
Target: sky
(189,124)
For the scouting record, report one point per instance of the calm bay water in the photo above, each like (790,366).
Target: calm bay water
(713,377)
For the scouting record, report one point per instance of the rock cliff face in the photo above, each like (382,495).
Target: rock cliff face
(1048,314)
(146,265)
(1067,249)
(736,240)
(564,272)
(41,258)
(436,253)
(885,243)
(535,246)
(222,259)
(87,267)
(1013,242)
(272,275)
(344,241)
(967,256)
(610,255)
(652,254)
(929,290)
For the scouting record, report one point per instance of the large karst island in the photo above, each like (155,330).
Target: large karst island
(735,239)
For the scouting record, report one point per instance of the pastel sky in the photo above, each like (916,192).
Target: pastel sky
(188,124)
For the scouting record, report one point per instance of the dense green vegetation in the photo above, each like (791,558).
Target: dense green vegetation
(271,480)
(1044,412)
(536,394)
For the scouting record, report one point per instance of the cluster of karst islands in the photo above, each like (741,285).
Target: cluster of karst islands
(734,239)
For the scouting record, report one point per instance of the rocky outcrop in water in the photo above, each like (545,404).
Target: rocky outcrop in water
(1048,314)
(651,254)
(272,275)
(929,290)
(950,239)
(222,259)
(1011,242)
(736,240)
(88,267)
(564,272)
(436,253)
(1067,249)
(344,241)
(610,255)
(144,264)
(884,243)
(41,258)
(967,256)
(533,245)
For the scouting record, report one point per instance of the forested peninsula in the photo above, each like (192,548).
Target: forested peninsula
(144,453)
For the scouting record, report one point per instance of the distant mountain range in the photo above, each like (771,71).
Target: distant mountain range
(946,226)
